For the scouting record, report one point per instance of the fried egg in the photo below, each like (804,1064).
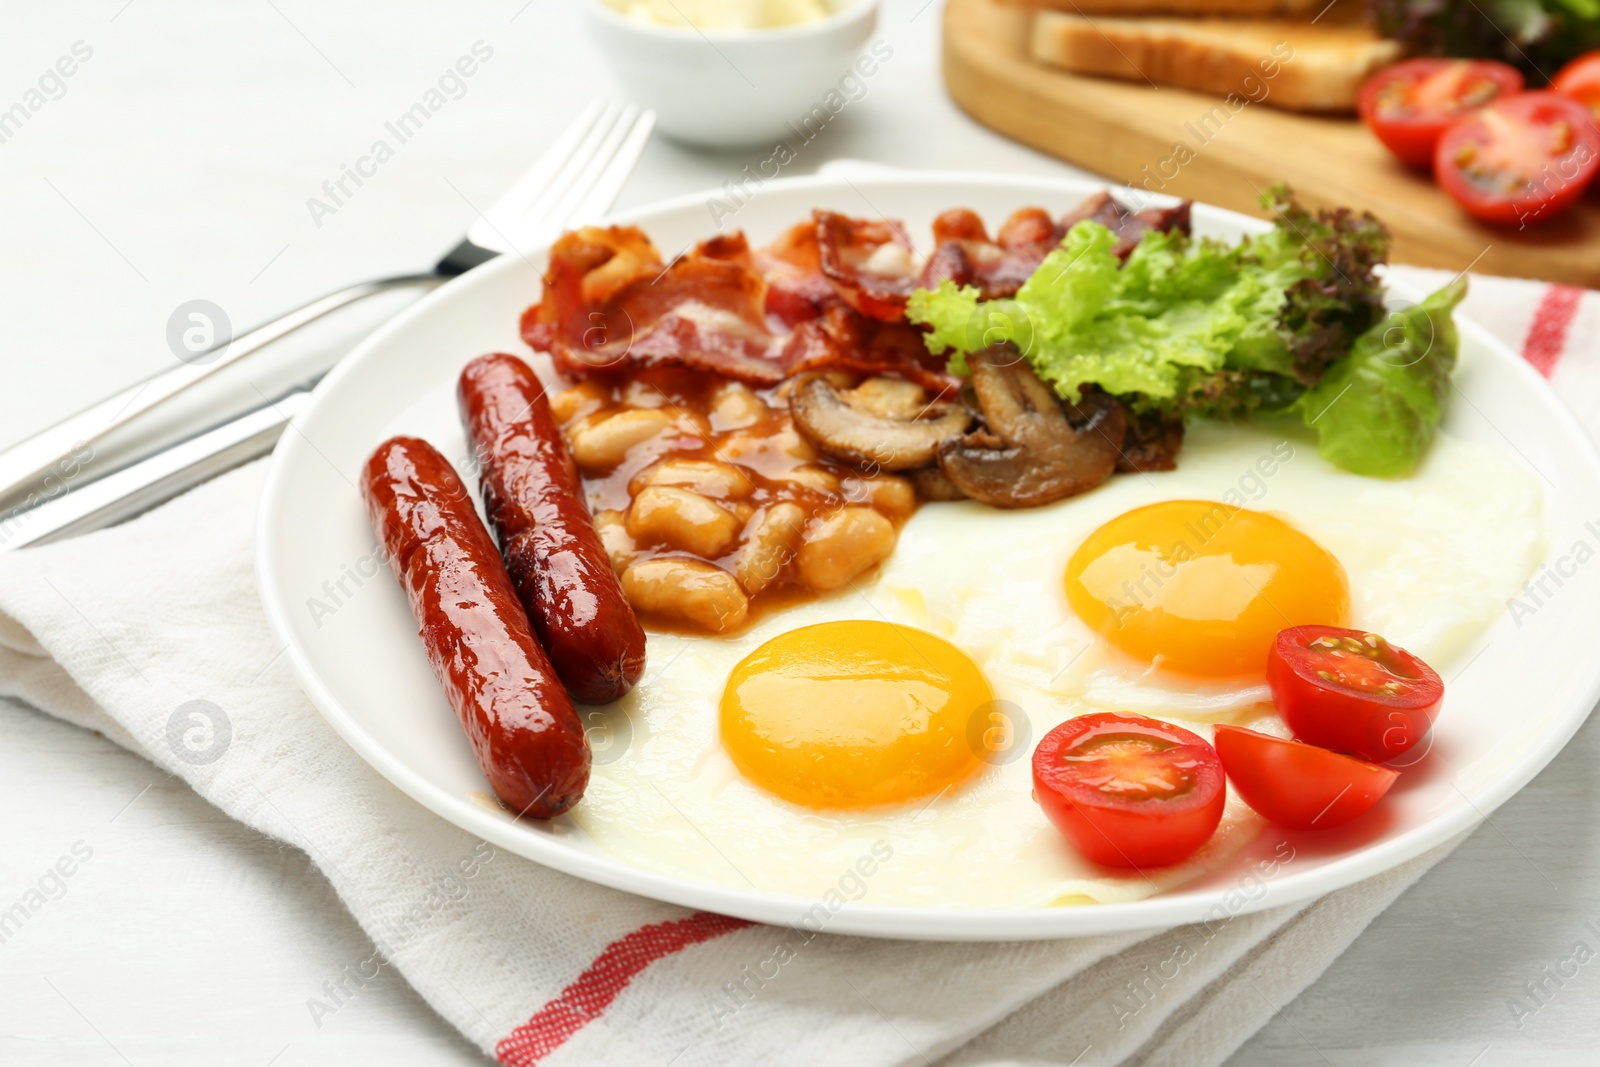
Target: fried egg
(1201,587)
(895,721)
(853,714)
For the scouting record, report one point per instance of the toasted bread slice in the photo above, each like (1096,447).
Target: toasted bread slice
(1183,8)
(1285,63)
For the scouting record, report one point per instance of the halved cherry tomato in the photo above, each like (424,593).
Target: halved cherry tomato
(1411,104)
(1580,80)
(1128,791)
(1297,785)
(1523,159)
(1352,691)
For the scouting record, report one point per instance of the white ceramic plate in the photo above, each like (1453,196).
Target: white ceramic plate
(357,656)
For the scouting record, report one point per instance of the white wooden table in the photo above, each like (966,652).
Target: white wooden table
(176,163)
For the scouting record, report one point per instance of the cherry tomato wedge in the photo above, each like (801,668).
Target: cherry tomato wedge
(1352,691)
(1410,105)
(1296,785)
(1580,80)
(1520,160)
(1128,791)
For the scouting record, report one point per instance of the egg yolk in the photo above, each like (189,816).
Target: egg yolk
(1201,587)
(853,715)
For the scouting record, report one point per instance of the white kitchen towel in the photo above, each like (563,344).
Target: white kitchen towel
(152,634)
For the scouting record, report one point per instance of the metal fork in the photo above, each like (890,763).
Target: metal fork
(574,182)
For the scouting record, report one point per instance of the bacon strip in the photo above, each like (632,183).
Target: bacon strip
(997,268)
(845,339)
(797,289)
(829,293)
(869,263)
(609,304)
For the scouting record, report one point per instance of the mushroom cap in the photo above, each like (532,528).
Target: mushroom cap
(931,484)
(870,439)
(1030,452)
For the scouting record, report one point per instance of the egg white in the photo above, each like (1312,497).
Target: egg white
(1431,559)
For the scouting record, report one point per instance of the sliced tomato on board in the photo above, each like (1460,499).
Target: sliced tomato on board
(1352,691)
(1128,791)
(1410,105)
(1521,160)
(1296,785)
(1580,80)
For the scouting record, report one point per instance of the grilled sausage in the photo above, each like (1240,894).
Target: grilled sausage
(555,557)
(527,737)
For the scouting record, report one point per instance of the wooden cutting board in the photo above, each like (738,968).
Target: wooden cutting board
(1161,139)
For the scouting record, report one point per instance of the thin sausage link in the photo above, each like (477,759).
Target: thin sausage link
(522,726)
(555,556)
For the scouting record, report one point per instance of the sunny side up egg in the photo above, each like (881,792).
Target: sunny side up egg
(723,767)
(853,714)
(1202,587)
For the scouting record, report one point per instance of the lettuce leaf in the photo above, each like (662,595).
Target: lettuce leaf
(1332,293)
(1288,319)
(1085,318)
(1163,326)
(1375,411)
(1539,36)
(946,311)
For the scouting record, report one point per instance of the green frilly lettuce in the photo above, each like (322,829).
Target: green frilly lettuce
(1376,410)
(1278,321)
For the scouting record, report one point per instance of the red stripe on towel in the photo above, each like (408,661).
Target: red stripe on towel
(1547,337)
(587,998)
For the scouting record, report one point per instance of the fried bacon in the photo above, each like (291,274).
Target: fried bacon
(1129,226)
(828,294)
(964,253)
(587,267)
(845,339)
(797,289)
(609,303)
(869,262)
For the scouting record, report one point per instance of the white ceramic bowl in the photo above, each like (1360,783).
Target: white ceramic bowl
(734,88)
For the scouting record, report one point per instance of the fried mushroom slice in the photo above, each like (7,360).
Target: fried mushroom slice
(931,484)
(871,439)
(1033,450)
